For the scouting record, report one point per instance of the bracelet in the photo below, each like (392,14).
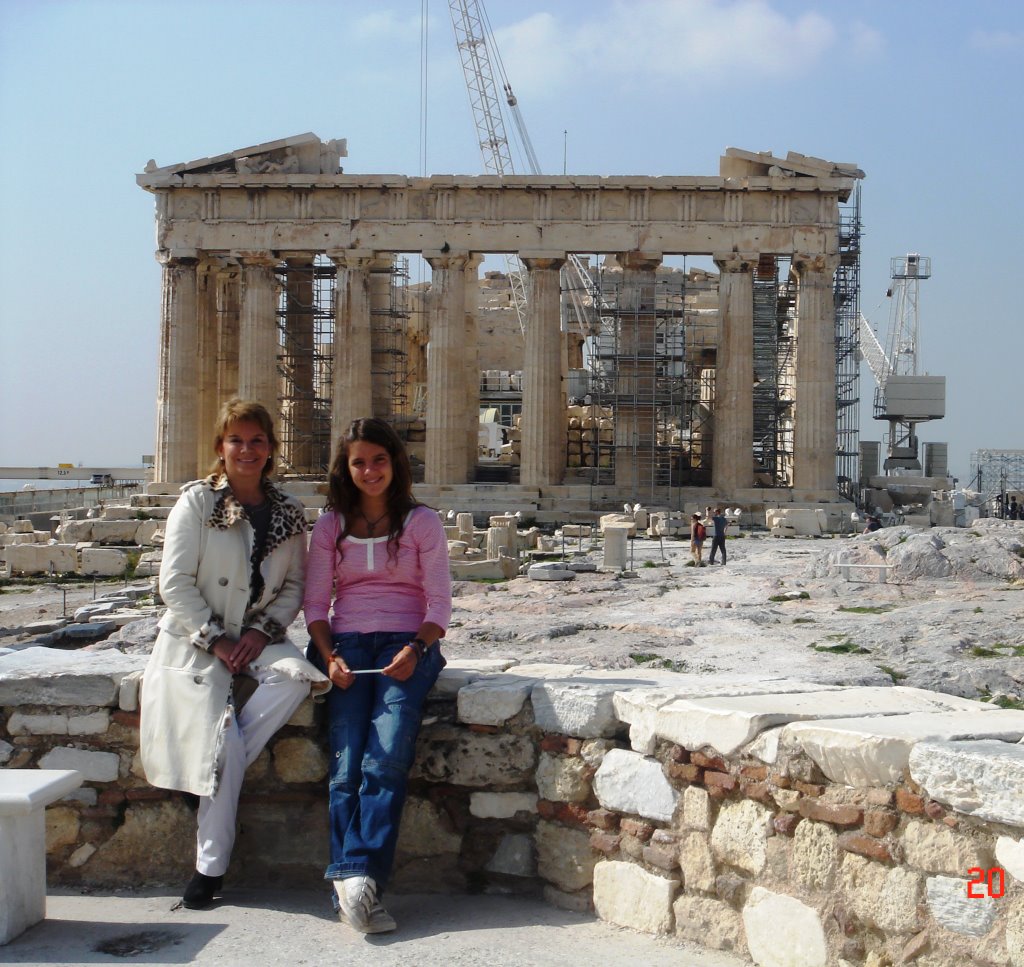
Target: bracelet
(419,646)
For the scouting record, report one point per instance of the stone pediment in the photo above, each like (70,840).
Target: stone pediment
(738,163)
(300,154)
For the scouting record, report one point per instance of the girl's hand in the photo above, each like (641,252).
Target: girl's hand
(402,665)
(224,648)
(338,673)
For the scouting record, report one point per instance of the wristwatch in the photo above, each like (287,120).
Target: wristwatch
(419,646)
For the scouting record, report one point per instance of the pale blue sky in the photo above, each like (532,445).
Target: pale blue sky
(926,98)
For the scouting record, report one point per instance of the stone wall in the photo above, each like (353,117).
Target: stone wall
(790,822)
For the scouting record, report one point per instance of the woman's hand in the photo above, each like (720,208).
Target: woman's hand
(402,665)
(338,673)
(248,648)
(236,655)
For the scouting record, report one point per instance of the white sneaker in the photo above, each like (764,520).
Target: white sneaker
(359,907)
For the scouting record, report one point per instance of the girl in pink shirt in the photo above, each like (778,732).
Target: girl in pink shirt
(377,602)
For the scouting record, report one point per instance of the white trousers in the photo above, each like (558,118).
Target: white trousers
(271,705)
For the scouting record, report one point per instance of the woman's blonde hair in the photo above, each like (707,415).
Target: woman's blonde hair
(238,410)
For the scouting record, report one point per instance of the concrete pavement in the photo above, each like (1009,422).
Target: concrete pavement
(251,928)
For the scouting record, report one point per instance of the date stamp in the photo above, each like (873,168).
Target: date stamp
(990,883)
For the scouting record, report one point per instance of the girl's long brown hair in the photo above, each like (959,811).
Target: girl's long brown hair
(343,497)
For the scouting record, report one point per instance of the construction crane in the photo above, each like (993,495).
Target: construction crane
(475,41)
(903,396)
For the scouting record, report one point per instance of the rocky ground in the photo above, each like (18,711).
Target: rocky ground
(948,618)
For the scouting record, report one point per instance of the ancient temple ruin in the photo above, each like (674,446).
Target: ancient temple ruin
(286,280)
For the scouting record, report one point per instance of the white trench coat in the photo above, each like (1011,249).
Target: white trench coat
(205,583)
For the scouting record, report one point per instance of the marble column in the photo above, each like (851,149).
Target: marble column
(471,356)
(258,343)
(814,417)
(384,324)
(297,407)
(543,421)
(732,464)
(206,363)
(352,376)
(446,399)
(176,411)
(635,409)
(228,281)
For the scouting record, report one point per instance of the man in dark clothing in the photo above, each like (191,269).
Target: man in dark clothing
(718,539)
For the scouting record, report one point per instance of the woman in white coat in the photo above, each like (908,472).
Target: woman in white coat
(223,677)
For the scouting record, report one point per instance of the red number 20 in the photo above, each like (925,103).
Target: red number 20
(989,877)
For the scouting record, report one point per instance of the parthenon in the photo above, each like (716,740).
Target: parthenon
(245,237)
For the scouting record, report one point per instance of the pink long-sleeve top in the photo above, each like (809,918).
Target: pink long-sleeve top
(371,591)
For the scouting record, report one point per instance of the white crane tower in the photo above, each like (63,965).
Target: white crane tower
(475,41)
(903,397)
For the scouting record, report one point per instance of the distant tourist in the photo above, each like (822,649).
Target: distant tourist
(720,523)
(698,532)
(873,524)
(223,678)
(377,637)
(1014,509)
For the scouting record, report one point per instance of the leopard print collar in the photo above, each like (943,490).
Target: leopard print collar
(287,518)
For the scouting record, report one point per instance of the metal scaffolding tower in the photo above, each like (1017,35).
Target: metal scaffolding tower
(649,391)
(306,328)
(846,295)
(997,472)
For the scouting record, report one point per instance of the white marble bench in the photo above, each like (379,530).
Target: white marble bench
(24,796)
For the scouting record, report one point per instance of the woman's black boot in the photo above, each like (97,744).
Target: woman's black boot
(200,891)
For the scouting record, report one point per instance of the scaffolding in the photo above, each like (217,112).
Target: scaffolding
(846,294)
(997,472)
(306,328)
(305,324)
(648,391)
(773,395)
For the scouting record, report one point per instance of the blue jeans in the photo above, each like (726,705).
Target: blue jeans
(372,728)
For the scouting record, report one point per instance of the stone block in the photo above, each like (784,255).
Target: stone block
(94,766)
(875,751)
(710,923)
(1010,856)
(950,905)
(631,783)
(494,700)
(21,723)
(475,760)
(501,805)
(75,531)
(564,856)
(935,848)
(62,827)
(149,532)
(583,709)
(425,830)
(783,932)
(128,691)
(89,723)
(696,808)
(883,897)
(154,830)
(629,896)
(697,864)
(1015,934)
(514,856)
(982,779)
(740,835)
(815,858)
(562,779)
(103,561)
(728,723)
(114,531)
(299,759)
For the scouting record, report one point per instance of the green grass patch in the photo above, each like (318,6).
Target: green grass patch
(978,610)
(866,609)
(649,564)
(803,621)
(659,662)
(779,598)
(980,651)
(896,676)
